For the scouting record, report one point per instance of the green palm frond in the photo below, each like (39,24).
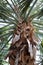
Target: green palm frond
(31,9)
(41,53)
(24,5)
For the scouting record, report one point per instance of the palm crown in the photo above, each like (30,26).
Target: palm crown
(17,16)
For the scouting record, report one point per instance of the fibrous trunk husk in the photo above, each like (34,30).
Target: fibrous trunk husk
(23,48)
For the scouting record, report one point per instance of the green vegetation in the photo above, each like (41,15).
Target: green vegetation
(11,14)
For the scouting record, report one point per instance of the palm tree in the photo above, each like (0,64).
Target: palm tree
(21,19)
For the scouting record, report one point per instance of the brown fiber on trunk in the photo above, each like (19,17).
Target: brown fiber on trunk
(19,53)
